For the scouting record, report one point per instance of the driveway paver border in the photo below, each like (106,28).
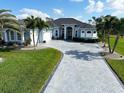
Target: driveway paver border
(52,73)
(114,73)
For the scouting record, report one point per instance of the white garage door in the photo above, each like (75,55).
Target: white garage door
(47,36)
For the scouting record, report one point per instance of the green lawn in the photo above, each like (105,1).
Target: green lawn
(120,45)
(118,67)
(26,71)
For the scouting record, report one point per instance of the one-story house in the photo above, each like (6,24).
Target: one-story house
(70,28)
(62,28)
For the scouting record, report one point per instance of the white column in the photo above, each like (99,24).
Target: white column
(15,36)
(65,32)
(22,37)
(72,32)
(9,36)
(58,33)
(41,36)
(5,36)
(31,36)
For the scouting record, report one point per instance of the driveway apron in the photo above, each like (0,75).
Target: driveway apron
(82,70)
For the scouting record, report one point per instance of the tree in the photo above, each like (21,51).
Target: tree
(31,24)
(122,26)
(100,25)
(40,24)
(108,24)
(112,23)
(8,20)
(89,21)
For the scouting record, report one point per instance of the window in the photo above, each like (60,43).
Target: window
(82,31)
(94,32)
(76,34)
(89,32)
(18,36)
(56,33)
(62,29)
(12,35)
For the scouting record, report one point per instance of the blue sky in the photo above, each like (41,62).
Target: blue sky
(79,9)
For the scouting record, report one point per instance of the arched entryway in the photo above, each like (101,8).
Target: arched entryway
(69,33)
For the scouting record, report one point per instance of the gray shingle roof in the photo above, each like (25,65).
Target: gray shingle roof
(61,21)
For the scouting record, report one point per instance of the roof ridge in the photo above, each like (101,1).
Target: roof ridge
(61,21)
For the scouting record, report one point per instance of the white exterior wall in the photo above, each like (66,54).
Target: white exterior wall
(44,35)
(54,33)
(91,35)
(35,36)
(83,35)
(47,36)
(95,36)
(78,32)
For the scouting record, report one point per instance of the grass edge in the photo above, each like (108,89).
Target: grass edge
(114,73)
(52,73)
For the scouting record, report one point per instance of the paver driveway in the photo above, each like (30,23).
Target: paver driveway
(82,70)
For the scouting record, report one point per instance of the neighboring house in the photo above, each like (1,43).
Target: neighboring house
(70,28)
(62,28)
(10,36)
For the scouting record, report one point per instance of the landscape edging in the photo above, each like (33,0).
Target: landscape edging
(114,73)
(51,75)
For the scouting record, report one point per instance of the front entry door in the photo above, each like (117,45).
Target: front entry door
(69,33)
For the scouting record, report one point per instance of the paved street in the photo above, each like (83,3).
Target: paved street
(82,70)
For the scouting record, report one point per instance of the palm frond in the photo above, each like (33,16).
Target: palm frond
(15,27)
(41,23)
(10,20)
(4,15)
(4,10)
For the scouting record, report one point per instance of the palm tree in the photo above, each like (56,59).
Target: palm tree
(89,21)
(8,21)
(116,28)
(40,25)
(31,24)
(112,24)
(108,24)
(122,26)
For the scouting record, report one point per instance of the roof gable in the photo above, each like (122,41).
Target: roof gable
(62,21)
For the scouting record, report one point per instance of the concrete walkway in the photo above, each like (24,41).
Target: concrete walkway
(82,70)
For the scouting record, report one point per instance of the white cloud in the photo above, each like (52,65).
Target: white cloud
(58,11)
(25,12)
(117,13)
(99,6)
(95,6)
(76,0)
(117,6)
